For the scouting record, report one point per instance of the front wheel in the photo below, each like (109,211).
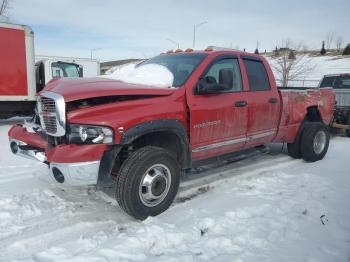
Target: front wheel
(314,142)
(147,182)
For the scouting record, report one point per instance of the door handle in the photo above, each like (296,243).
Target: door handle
(241,103)
(273,100)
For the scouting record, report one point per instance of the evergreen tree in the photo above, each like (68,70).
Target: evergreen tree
(256,51)
(323,49)
(347,50)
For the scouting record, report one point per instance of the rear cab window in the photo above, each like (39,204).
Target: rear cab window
(257,75)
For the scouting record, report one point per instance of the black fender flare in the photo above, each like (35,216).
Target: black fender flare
(169,125)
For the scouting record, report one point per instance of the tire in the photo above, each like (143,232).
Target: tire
(314,142)
(347,131)
(140,198)
(294,149)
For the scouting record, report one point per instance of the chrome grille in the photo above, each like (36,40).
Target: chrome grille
(51,109)
(343,97)
(47,105)
(50,124)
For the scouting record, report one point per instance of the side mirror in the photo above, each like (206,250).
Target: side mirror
(80,71)
(210,80)
(208,85)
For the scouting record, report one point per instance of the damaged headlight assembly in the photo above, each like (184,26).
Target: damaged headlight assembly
(87,134)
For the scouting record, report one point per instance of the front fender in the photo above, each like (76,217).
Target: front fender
(168,125)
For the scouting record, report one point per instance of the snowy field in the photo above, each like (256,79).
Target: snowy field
(322,65)
(265,208)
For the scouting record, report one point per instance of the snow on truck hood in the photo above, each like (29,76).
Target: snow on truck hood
(73,89)
(150,74)
(150,79)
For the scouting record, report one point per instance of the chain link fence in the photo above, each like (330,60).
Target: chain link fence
(301,83)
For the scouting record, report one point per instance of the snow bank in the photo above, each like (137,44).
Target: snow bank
(150,74)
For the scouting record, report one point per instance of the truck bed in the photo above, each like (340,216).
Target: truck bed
(296,102)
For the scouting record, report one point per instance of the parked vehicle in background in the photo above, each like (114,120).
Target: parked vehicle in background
(141,138)
(21,77)
(59,66)
(341,85)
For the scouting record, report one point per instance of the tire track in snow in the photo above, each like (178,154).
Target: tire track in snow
(27,245)
(58,226)
(16,178)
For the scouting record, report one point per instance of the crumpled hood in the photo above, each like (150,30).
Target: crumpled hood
(73,89)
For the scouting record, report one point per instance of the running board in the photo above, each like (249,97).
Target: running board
(202,165)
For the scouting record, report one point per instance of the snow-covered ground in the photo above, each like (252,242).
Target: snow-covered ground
(321,65)
(268,207)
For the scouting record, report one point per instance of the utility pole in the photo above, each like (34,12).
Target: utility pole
(93,50)
(194,32)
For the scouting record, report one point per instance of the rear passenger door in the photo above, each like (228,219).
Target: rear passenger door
(263,103)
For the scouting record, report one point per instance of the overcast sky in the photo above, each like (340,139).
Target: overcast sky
(139,28)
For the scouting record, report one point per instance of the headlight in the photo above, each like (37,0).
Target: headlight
(86,134)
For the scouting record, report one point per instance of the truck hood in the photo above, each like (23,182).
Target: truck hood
(73,89)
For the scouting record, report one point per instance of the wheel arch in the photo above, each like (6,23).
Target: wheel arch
(166,133)
(313,114)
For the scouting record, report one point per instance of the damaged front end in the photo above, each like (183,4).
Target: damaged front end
(45,139)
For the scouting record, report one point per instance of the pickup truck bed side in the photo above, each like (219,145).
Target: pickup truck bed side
(300,104)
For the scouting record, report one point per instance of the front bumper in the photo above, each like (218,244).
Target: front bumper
(75,174)
(70,165)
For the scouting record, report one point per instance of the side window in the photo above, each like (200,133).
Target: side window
(226,72)
(257,75)
(56,70)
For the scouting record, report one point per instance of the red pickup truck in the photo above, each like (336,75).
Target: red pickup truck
(141,138)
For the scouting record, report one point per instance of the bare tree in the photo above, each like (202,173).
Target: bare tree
(4,5)
(339,43)
(329,39)
(290,68)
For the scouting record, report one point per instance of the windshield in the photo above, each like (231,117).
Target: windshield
(180,65)
(60,69)
(337,82)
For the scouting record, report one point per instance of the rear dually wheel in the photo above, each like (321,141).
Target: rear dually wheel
(314,141)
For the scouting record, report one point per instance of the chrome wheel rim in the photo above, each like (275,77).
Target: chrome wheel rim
(155,185)
(320,142)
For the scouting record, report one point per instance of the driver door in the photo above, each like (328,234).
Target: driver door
(218,120)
